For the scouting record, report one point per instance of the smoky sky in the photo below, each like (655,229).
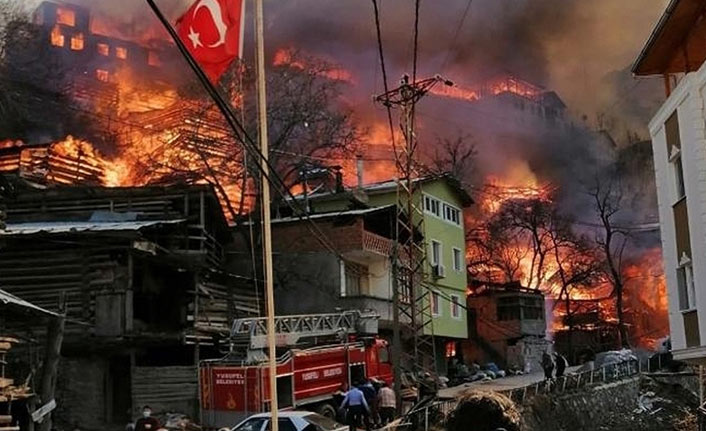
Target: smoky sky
(567,45)
(582,49)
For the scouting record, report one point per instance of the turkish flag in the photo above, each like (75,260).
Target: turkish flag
(212,32)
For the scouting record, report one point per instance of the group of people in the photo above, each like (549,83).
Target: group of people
(549,364)
(370,403)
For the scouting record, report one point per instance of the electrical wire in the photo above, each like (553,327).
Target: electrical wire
(272,177)
(384,72)
(455,36)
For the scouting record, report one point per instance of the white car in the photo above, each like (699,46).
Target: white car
(290,421)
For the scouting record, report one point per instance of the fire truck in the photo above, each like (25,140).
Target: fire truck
(343,348)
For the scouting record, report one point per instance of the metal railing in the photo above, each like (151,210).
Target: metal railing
(434,414)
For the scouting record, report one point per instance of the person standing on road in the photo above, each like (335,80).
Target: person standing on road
(358,408)
(388,404)
(547,365)
(561,364)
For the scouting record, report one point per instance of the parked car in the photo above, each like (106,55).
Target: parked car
(290,421)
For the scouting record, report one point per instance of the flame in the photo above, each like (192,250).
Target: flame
(494,87)
(57,37)
(285,57)
(65,16)
(77,42)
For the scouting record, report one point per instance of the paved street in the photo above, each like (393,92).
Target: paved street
(502,384)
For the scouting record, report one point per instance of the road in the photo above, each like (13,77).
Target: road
(502,384)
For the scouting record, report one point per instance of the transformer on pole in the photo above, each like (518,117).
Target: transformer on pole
(412,302)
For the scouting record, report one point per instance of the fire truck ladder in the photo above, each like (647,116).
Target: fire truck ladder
(251,333)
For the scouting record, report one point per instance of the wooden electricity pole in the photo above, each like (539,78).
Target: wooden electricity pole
(266,228)
(55,337)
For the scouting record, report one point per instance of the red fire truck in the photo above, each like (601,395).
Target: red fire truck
(308,378)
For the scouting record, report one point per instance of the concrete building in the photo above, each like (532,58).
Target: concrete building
(506,325)
(441,200)
(676,51)
(360,278)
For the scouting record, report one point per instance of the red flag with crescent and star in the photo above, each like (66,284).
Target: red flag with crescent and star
(212,31)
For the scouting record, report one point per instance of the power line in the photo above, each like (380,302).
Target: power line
(272,176)
(384,70)
(455,36)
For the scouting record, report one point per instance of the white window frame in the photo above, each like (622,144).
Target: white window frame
(442,210)
(676,163)
(455,307)
(686,266)
(455,250)
(440,259)
(435,299)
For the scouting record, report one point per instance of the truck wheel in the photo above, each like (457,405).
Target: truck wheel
(326,410)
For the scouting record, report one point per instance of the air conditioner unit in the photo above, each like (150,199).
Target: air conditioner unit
(439,271)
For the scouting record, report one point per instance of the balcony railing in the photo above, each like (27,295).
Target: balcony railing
(377,244)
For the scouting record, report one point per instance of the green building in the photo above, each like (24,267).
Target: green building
(442,199)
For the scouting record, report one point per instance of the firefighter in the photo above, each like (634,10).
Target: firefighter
(358,408)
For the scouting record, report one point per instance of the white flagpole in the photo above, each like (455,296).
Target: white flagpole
(266,231)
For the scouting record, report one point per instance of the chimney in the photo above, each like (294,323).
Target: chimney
(359,169)
(339,179)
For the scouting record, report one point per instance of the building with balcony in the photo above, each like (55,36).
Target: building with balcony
(676,52)
(357,275)
(506,325)
(440,201)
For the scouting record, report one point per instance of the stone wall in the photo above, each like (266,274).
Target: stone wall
(612,406)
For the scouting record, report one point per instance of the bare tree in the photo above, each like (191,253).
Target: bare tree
(577,267)
(456,156)
(607,195)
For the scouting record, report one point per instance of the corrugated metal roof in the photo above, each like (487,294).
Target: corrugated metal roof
(334,214)
(16,229)
(12,300)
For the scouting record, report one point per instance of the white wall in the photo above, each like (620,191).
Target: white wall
(688,100)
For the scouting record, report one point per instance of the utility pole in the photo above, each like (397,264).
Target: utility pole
(266,225)
(411,298)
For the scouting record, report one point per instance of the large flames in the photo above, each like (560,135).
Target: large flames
(593,306)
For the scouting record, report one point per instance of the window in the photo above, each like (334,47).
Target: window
(435,306)
(450,349)
(687,290)
(532,308)
(432,206)
(455,307)
(57,38)
(356,279)
(509,308)
(679,177)
(103,49)
(121,52)
(436,252)
(102,75)
(520,308)
(65,16)
(153,59)
(452,214)
(77,42)
(458,265)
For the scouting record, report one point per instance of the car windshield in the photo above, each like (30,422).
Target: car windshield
(254,424)
(322,421)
